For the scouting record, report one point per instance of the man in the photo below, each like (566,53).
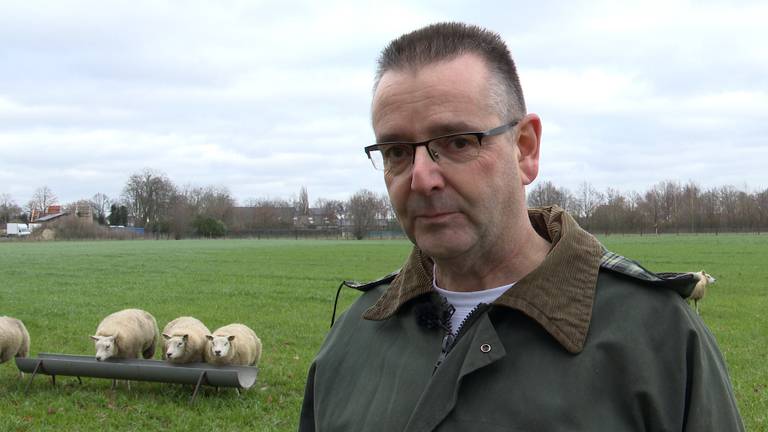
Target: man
(503,317)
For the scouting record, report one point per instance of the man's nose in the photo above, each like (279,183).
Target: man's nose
(426,174)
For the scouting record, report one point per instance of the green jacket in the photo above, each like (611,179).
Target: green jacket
(589,341)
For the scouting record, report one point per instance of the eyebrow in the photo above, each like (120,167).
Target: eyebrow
(434,131)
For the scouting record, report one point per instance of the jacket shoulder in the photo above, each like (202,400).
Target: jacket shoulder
(364,287)
(681,283)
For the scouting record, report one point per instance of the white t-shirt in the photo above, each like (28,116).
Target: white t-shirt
(465,302)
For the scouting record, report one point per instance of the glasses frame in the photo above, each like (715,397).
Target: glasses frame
(414,145)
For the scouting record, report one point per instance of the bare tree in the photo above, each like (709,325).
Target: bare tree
(711,211)
(100,204)
(690,206)
(210,201)
(587,200)
(269,213)
(331,210)
(9,210)
(670,194)
(761,199)
(181,213)
(727,196)
(546,194)
(652,206)
(148,195)
(302,202)
(747,211)
(42,198)
(364,208)
(611,215)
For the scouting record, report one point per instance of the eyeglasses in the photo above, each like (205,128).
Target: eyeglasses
(396,157)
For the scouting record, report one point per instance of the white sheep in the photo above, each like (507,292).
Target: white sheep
(233,344)
(700,289)
(14,339)
(126,334)
(184,340)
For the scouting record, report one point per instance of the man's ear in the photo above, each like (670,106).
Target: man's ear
(528,143)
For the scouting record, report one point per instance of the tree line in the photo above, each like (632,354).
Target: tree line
(150,200)
(666,207)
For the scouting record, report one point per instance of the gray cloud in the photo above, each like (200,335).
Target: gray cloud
(264,97)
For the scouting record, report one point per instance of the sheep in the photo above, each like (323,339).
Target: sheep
(233,344)
(14,339)
(700,289)
(184,340)
(126,334)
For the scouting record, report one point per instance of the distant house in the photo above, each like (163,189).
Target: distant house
(81,209)
(50,213)
(49,217)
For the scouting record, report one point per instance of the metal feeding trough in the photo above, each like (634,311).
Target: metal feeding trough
(197,374)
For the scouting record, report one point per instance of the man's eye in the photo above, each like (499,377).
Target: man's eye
(396,153)
(459,143)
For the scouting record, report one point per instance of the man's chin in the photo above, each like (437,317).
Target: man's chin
(441,246)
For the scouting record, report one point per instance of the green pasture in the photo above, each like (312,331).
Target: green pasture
(284,290)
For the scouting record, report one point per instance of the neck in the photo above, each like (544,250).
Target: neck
(507,262)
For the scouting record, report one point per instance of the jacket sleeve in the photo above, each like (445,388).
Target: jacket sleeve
(711,404)
(307,417)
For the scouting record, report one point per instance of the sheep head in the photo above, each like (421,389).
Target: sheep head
(105,346)
(220,345)
(175,345)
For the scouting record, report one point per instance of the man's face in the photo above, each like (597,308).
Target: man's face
(449,210)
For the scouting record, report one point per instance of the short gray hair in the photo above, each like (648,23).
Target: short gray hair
(446,41)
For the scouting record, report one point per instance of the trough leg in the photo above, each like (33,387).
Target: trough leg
(34,372)
(53,380)
(197,387)
(79,380)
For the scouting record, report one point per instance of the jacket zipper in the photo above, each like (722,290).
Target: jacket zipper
(450,341)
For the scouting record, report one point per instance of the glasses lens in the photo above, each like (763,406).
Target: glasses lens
(457,148)
(396,157)
(376,159)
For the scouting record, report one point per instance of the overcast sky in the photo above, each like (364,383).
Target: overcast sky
(264,97)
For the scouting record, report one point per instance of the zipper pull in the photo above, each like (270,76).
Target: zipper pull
(447,342)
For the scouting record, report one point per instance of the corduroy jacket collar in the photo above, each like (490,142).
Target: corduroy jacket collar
(558,294)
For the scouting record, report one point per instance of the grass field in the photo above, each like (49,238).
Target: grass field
(284,290)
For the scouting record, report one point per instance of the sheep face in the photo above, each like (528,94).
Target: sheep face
(220,345)
(105,347)
(175,345)
(708,277)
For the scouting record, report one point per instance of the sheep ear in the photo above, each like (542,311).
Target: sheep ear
(209,337)
(231,338)
(165,336)
(95,338)
(185,337)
